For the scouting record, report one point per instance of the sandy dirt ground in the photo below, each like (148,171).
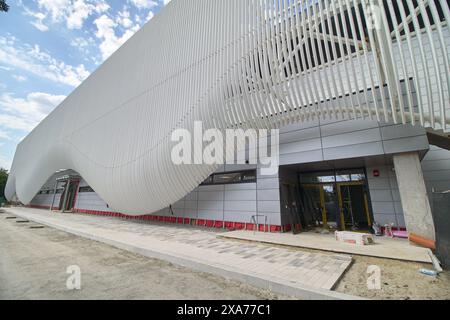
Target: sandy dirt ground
(33,265)
(399,280)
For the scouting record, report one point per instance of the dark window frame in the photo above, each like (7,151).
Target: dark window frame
(86,189)
(210,181)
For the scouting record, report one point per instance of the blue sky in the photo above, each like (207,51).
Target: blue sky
(48,47)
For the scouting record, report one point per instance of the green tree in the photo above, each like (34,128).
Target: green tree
(4,6)
(3,179)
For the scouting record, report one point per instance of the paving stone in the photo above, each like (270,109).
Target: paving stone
(290,265)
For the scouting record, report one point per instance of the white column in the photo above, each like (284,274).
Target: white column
(413,193)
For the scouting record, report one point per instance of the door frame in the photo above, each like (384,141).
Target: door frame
(289,190)
(366,191)
(323,207)
(363,184)
(63,201)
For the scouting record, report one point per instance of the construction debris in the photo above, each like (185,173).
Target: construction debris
(436,262)
(428,272)
(362,239)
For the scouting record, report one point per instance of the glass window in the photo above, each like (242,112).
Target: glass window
(231,178)
(249,176)
(358,177)
(317,177)
(227,178)
(343,178)
(355,175)
(326,179)
(86,189)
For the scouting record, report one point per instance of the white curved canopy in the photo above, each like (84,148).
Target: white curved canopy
(237,63)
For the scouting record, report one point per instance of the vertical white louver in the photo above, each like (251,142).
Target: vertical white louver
(238,63)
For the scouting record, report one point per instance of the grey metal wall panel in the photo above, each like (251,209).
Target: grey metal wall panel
(408,144)
(247,206)
(305,134)
(265,207)
(384,195)
(302,157)
(269,195)
(310,124)
(300,146)
(344,126)
(401,131)
(352,138)
(267,184)
(210,206)
(241,195)
(211,196)
(241,186)
(354,151)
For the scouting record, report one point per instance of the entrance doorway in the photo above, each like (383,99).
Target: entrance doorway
(336,200)
(328,200)
(68,197)
(289,204)
(354,206)
(319,207)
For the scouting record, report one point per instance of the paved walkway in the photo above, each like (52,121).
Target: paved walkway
(283,270)
(396,249)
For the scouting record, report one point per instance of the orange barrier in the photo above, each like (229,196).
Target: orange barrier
(424,242)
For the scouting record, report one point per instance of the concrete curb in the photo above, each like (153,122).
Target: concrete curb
(275,285)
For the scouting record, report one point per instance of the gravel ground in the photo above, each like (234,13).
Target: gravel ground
(33,265)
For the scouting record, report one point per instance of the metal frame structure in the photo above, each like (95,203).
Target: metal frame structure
(237,64)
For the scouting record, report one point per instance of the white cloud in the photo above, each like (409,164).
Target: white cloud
(25,113)
(79,12)
(110,40)
(33,60)
(19,78)
(144,4)
(83,45)
(72,12)
(39,22)
(124,18)
(4,135)
(57,8)
(79,42)
(18,116)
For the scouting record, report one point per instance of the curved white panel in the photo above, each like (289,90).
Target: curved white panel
(245,63)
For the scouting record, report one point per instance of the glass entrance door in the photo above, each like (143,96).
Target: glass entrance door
(68,197)
(354,206)
(336,200)
(290,205)
(319,205)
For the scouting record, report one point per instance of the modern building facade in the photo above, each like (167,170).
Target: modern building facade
(357,88)
(315,162)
